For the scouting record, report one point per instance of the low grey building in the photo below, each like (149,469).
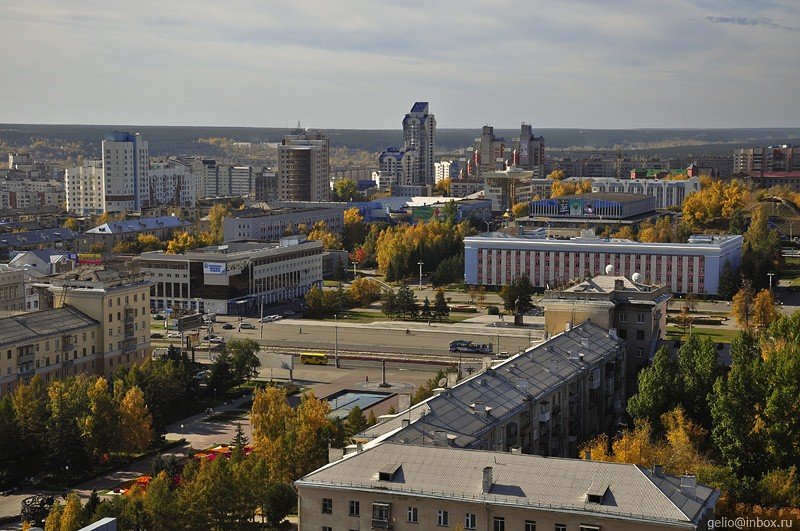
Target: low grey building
(267,224)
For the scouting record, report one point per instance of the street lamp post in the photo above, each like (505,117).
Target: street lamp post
(770,275)
(420,264)
(336,339)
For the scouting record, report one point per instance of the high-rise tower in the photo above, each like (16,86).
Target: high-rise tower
(419,134)
(304,167)
(126,180)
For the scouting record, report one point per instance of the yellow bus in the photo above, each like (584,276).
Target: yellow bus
(313,358)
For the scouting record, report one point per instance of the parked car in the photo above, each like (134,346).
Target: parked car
(267,319)
(209,337)
(157,317)
(228,326)
(174,335)
(216,340)
(247,326)
(156,335)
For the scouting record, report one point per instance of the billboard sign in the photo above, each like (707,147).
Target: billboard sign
(190,322)
(214,268)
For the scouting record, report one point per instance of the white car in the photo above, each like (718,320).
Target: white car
(174,335)
(276,317)
(216,340)
(247,326)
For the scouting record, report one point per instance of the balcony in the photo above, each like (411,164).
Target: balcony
(380,524)
(67,363)
(27,373)
(594,383)
(25,358)
(544,415)
(129,316)
(129,345)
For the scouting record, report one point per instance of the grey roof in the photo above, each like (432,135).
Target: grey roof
(519,480)
(542,368)
(610,196)
(57,321)
(37,237)
(138,225)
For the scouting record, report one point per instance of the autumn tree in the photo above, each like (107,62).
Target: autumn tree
(181,242)
(355,230)
(520,210)
(149,242)
(625,232)
(135,422)
(215,220)
(742,305)
(329,239)
(556,175)
(561,188)
(356,422)
(312,424)
(364,291)
(764,312)
(99,427)
(442,187)
(71,224)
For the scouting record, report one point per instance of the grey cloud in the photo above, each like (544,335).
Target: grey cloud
(761,22)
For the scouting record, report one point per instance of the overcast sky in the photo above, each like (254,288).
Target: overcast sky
(362,63)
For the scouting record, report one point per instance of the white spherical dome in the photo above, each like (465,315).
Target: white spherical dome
(636,276)
(609,269)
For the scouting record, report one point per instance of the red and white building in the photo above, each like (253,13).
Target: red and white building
(495,259)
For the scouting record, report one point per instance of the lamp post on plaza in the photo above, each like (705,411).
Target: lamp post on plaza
(336,339)
(420,264)
(770,275)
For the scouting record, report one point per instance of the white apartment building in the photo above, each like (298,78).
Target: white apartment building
(172,183)
(495,259)
(32,194)
(304,167)
(668,193)
(84,188)
(442,170)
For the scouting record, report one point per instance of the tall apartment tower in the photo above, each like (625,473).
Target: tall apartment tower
(84,188)
(487,153)
(126,181)
(419,134)
(304,167)
(529,151)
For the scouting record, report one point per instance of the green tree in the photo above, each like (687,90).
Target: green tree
(656,391)
(278,502)
(356,422)
(243,358)
(425,311)
(406,301)
(222,377)
(160,504)
(698,370)
(67,404)
(389,304)
(240,439)
(734,402)
(729,281)
(780,420)
(30,410)
(205,499)
(346,190)
(440,307)
(450,213)
(517,295)
(761,250)
(100,428)
(737,223)
(449,270)
(12,465)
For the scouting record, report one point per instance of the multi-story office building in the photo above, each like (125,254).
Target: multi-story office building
(413,487)
(265,185)
(172,183)
(270,225)
(547,401)
(419,134)
(84,188)
(693,267)
(235,278)
(126,177)
(395,167)
(668,193)
(636,312)
(529,151)
(119,303)
(304,166)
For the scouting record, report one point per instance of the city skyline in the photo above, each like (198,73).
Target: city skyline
(677,64)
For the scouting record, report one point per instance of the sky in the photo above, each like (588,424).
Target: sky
(603,64)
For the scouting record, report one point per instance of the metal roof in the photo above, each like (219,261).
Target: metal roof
(519,480)
(138,225)
(56,322)
(503,390)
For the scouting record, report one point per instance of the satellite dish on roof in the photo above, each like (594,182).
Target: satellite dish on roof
(636,277)
(443,382)
(609,269)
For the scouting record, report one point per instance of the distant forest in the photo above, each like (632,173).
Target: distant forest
(85,139)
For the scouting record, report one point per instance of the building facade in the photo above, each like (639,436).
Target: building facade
(693,267)
(547,401)
(304,167)
(113,232)
(410,487)
(84,188)
(529,152)
(419,135)
(668,193)
(126,176)
(172,183)
(235,278)
(759,160)
(12,290)
(635,312)
(270,225)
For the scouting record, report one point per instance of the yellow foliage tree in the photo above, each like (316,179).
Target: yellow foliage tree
(215,215)
(149,242)
(742,306)
(583,187)
(556,175)
(560,189)
(520,210)
(624,232)
(72,516)
(181,242)
(442,188)
(763,309)
(71,224)
(715,202)
(135,422)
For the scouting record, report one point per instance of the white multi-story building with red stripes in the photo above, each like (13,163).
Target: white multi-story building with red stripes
(495,259)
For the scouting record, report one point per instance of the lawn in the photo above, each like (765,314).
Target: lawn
(719,335)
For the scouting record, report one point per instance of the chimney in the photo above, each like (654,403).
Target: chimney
(585,342)
(334,454)
(403,402)
(553,365)
(658,471)
(404,423)
(487,480)
(568,326)
(688,485)
(516,450)
(480,409)
(359,447)
(580,356)
(440,438)
(587,455)
(619,285)
(522,384)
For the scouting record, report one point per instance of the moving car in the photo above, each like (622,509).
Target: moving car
(461,345)
(247,326)
(228,326)
(174,335)
(216,340)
